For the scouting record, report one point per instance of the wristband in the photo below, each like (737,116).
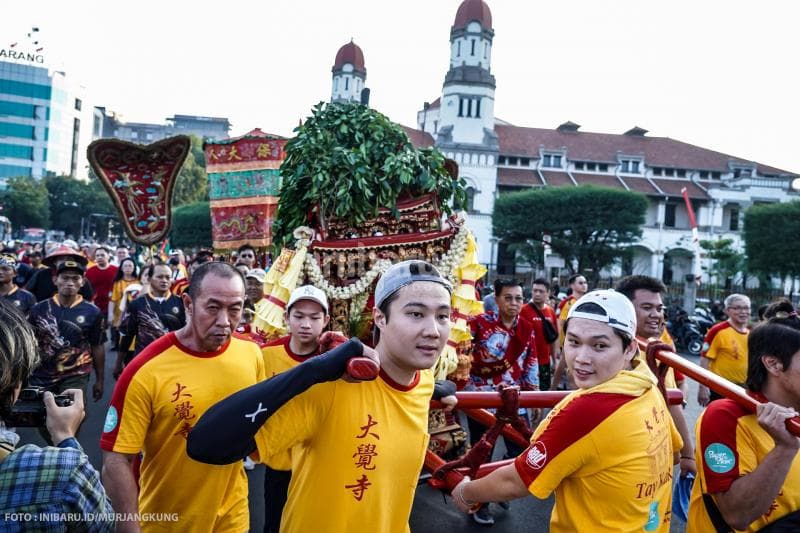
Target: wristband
(459,495)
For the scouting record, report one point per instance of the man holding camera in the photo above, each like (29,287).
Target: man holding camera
(58,481)
(70,334)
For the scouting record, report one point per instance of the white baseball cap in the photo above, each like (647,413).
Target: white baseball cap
(308,292)
(619,311)
(257,273)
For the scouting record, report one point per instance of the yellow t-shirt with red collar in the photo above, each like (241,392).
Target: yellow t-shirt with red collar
(357,450)
(669,379)
(607,452)
(726,348)
(731,444)
(158,398)
(278,358)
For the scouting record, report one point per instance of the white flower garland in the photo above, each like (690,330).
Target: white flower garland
(448,266)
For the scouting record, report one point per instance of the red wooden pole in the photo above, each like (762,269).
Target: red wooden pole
(718,384)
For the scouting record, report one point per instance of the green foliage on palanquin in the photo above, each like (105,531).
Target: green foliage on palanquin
(191,184)
(726,261)
(72,199)
(349,160)
(771,238)
(191,226)
(591,224)
(26,203)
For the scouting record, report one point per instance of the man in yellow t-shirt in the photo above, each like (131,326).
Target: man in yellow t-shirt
(356,448)
(607,449)
(645,293)
(749,478)
(725,346)
(160,396)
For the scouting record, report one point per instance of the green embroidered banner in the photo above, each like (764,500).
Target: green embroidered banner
(244,183)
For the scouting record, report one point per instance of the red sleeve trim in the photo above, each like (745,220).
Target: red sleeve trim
(716,328)
(717,435)
(573,422)
(155,348)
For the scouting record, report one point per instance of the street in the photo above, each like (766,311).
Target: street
(431,512)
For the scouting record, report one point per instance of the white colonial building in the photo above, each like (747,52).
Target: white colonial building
(495,156)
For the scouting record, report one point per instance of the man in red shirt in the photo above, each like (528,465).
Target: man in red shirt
(101,276)
(537,312)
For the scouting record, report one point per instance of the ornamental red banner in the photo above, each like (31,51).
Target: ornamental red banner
(234,225)
(140,180)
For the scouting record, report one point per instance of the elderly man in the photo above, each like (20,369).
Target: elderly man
(725,346)
(158,399)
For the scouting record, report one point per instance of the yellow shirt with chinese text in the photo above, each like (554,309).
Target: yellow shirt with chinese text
(607,452)
(726,347)
(158,398)
(357,449)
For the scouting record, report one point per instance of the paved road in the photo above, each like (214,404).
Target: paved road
(430,514)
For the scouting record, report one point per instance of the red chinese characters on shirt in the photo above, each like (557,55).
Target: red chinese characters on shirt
(183,410)
(363,457)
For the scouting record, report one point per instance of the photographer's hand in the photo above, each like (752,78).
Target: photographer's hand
(63,422)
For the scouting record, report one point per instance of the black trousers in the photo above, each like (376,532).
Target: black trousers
(276,488)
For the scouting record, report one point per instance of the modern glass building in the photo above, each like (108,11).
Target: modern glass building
(45,125)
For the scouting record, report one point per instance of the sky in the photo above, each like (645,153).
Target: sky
(718,74)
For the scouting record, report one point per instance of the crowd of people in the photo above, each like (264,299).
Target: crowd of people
(198,398)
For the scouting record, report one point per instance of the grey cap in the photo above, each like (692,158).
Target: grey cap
(405,273)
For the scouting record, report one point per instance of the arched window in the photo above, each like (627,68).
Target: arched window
(470,207)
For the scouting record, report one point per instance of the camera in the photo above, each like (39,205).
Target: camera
(30,411)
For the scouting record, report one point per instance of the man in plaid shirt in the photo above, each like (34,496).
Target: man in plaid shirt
(43,489)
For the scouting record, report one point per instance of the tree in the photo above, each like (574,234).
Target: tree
(771,238)
(191,226)
(72,201)
(726,261)
(347,161)
(26,203)
(589,224)
(191,185)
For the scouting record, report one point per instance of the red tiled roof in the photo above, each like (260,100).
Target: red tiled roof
(418,138)
(604,147)
(470,10)
(673,188)
(557,179)
(641,185)
(350,53)
(436,103)
(518,177)
(605,180)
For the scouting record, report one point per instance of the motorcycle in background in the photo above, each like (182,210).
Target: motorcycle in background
(684,330)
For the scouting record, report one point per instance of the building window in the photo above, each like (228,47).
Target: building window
(669,215)
(458,48)
(477,108)
(501,160)
(347,84)
(460,107)
(629,166)
(472,52)
(703,174)
(715,175)
(602,167)
(134,135)
(78,104)
(513,161)
(435,126)
(742,172)
(681,173)
(336,84)
(591,167)
(579,165)
(551,161)
(734,225)
(470,193)
(525,161)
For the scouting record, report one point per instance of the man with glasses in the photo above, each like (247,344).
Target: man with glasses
(725,347)
(503,353)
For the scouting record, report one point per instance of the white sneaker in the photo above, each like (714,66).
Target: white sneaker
(249,464)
